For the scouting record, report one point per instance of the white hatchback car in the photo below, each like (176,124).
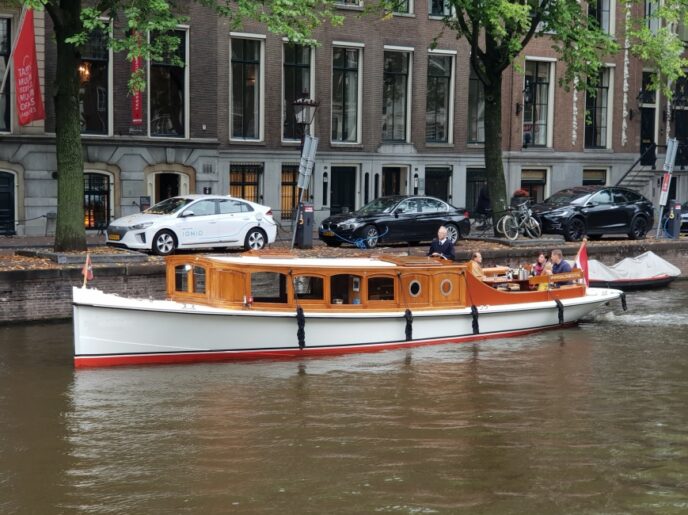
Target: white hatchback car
(195,221)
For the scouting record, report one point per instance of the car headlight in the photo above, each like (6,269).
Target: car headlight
(143,225)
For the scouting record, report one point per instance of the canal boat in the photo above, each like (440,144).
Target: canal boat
(645,271)
(280,306)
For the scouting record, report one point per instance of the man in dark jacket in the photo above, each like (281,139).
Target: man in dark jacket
(442,246)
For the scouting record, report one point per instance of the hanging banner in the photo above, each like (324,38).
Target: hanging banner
(137,96)
(27,83)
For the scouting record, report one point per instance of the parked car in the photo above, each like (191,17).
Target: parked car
(395,218)
(594,211)
(195,221)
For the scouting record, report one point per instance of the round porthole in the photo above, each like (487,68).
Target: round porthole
(414,288)
(446,287)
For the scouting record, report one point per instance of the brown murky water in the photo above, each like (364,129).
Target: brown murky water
(586,420)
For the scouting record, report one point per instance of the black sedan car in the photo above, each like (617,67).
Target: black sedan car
(594,211)
(395,218)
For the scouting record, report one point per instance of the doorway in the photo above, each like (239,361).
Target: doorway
(343,189)
(163,185)
(647,137)
(437,183)
(7,204)
(393,180)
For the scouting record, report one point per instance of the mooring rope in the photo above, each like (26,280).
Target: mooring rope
(359,242)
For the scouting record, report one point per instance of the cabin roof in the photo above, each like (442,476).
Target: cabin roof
(305,262)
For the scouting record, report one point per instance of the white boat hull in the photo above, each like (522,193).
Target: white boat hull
(110,330)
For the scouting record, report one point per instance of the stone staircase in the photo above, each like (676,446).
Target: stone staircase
(640,178)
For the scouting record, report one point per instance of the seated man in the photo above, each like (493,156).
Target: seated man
(442,246)
(475,265)
(559,264)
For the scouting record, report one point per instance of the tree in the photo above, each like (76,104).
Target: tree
(498,31)
(73,22)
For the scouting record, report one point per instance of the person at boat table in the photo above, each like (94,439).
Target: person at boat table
(539,265)
(475,265)
(546,270)
(559,264)
(442,246)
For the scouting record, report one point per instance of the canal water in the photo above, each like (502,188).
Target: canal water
(592,419)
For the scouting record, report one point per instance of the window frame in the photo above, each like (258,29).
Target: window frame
(606,70)
(187,92)
(359,96)
(452,86)
(551,63)
(9,84)
(110,100)
(261,89)
(473,79)
(409,51)
(260,173)
(311,89)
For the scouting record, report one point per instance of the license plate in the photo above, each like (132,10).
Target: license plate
(113,237)
(328,233)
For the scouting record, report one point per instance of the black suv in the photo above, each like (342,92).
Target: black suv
(594,211)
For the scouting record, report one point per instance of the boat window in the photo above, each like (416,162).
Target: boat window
(181,277)
(381,288)
(269,287)
(446,287)
(345,289)
(198,279)
(414,288)
(308,287)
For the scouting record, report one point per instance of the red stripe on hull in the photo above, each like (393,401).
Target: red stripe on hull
(197,357)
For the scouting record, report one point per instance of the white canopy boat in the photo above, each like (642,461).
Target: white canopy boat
(247,307)
(647,270)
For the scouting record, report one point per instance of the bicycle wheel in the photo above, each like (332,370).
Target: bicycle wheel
(511,228)
(533,228)
(500,224)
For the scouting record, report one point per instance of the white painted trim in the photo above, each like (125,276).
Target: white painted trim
(612,17)
(550,102)
(452,93)
(111,86)
(187,92)
(442,52)
(541,59)
(247,35)
(395,48)
(261,100)
(10,79)
(311,89)
(409,95)
(610,107)
(348,44)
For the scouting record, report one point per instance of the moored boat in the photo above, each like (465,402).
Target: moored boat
(247,307)
(645,271)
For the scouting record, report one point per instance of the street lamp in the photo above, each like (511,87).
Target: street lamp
(304,112)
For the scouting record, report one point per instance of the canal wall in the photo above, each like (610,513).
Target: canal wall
(37,295)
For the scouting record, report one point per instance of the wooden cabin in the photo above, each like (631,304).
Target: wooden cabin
(275,283)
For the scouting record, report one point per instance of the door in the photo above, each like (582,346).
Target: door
(403,224)
(392,179)
(602,214)
(432,215)
(6,203)
(343,189)
(647,136)
(437,183)
(234,219)
(681,133)
(198,223)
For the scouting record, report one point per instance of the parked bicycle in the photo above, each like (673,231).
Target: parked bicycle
(519,220)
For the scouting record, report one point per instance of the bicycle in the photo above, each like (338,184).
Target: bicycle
(519,220)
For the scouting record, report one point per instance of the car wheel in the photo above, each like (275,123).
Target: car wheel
(255,239)
(164,243)
(574,230)
(371,236)
(453,232)
(638,228)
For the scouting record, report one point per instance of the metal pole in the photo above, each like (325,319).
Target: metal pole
(295,222)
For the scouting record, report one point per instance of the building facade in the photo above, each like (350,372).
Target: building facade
(399,112)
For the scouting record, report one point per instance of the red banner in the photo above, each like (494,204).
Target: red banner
(136,99)
(27,84)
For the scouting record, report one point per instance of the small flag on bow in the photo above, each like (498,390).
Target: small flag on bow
(87,271)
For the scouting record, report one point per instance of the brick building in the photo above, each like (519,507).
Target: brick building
(397,115)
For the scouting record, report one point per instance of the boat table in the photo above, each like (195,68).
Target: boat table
(495,281)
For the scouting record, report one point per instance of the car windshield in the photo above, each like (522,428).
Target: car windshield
(380,205)
(168,206)
(566,197)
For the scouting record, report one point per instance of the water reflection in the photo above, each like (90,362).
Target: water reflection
(585,419)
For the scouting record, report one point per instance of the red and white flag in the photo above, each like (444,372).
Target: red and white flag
(26,81)
(582,261)
(87,271)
